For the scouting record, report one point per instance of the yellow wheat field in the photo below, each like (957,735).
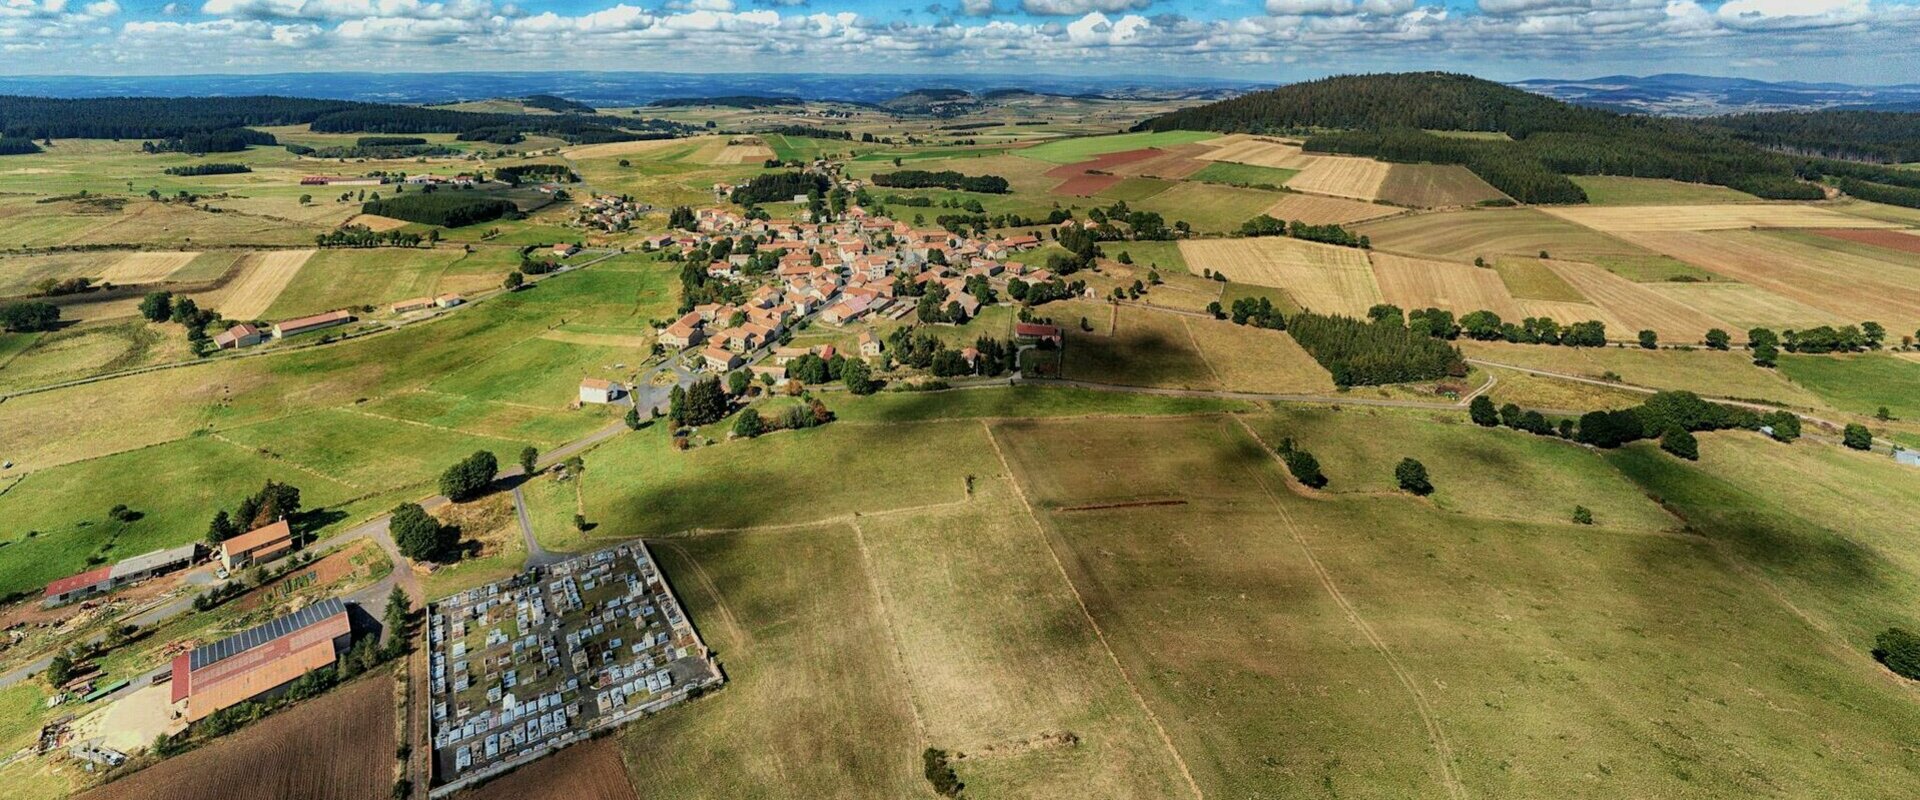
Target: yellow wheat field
(261,283)
(1838,283)
(146,267)
(1260,153)
(1635,306)
(1412,283)
(1627,219)
(1340,176)
(1320,277)
(611,149)
(377,223)
(743,154)
(1747,306)
(1314,209)
(1567,313)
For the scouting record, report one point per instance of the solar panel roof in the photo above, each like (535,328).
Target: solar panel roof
(248,639)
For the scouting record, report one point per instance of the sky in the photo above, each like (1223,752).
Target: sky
(1854,41)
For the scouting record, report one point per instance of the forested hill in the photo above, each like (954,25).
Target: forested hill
(1882,136)
(1429,100)
(178,117)
(1388,116)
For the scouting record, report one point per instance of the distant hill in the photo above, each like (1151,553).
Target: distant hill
(1698,95)
(1387,116)
(938,102)
(728,101)
(556,104)
(1878,136)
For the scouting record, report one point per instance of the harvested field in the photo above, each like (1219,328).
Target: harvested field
(1174,163)
(1209,207)
(378,223)
(336,747)
(1567,313)
(1837,283)
(1627,219)
(1084,185)
(1487,233)
(1635,305)
(611,149)
(1104,163)
(1340,176)
(743,154)
(1412,283)
(1746,306)
(1314,209)
(261,283)
(1434,186)
(150,267)
(591,770)
(1260,153)
(1903,241)
(1320,277)
(1531,279)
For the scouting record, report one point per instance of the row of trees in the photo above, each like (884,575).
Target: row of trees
(1330,233)
(208,169)
(945,179)
(363,236)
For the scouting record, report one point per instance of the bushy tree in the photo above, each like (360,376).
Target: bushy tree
(1857,437)
(1718,339)
(1482,412)
(529,459)
(859,378)
(514,281)
(1899,650)
(418,535)
(1305,468)
(1412,477)
(1649,340)
(467,479)
(1680,443)
(1782,425)
(29,317)
(157,306)
(749,424)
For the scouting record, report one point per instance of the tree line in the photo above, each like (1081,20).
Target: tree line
(779,187)
(944,179)
(445,209)
(208,169)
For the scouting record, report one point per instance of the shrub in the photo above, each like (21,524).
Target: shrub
(467,479)
(939,773)
(1305,468)
(1412,477)
(1857,437)
(1582,516)
(1899,650)
(1680,443)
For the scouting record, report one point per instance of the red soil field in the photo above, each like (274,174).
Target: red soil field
(1891,240)
(588,771)
(336,747)
(1080,180)
(1086,185)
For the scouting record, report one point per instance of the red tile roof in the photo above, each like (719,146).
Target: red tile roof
(80,581)
(258,538)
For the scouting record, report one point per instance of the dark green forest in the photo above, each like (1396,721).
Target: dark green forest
(1885,137)
(446,209)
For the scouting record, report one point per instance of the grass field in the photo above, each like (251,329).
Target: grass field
(1862,384)
(1636,305)
(1610,190)
(1316,210)
(1209,208)
(1709,217)
(1434,186)
(1163,256)
(87,349)
(1321,277)
(1134,190)
(1244,175)
(333,279)
(1708,372)
(1069,151)
(1532,279)
(1744,306)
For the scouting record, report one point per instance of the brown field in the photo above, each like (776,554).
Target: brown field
(1315,209)
(1177,162)
(1412,283)
(1085,185)
(1903,241)
(1635,305)
(1248,359)
(377,223)
(588,771)
(1259,153)
(1837,283)
(150,267)
(1340,176)
(1624,219)
(1746,306)
(1567,313)
(336,747)
(261,283)
(743,154)
(1320,277)
(1105,163)
(1434,186)
(611,149)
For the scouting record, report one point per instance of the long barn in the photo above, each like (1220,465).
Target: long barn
(260,660)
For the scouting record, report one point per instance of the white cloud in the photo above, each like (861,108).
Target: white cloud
(1336,8)
(1075,8)
(1791,14)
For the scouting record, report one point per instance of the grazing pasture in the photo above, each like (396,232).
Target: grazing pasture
(263,278)
(1532,279)
(1412,283)
(1145,348)
(1861,384)
(1314,209)
(1209,208)
(1243,175)
(1321,277)
(1714,217)
(1838,283)
(1612,190)
(1069,151)
(1342,176)
(1434,186)
(1636,305)
(341,278)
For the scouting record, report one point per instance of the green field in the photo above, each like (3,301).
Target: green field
(1862,384)
(1069,151)
(346,278)
(1243,175)
(1608,190)
(1210,208)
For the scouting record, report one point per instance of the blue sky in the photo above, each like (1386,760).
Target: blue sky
(1859,41)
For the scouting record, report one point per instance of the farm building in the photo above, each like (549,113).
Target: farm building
(259,661)
(256,546)
(156,563)
(449,300)
(869,344)
(241,335)
(412,304)
(1036,332)
(295,327)
(600,391)
(78,587)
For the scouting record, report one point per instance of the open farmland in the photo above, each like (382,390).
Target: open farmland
(1069,151)
(1636,219)
(342,278)
(1716,373)
(1902,241)
(146,267)
(1837,283)
(1244,175)
(1324,278)
(1745,306)
(1434,186)
(1314,209)
(1177,351)
(1341,176)
(1533,279)
(1412,283)
(1610,190)
(337,747)
(1209,208)
(591,770)
(1259,152)
(1489,233)
(1636,305)
(260,283)
(1174,163)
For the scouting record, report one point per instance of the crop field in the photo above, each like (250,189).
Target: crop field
(341,278)
(1434,186)
(591,770)
(1248,359)
(1532,279)
(1489,233)
(1718,217)
(1069,151)
(1093,176)
(1321,277)
(1900,241)
(1745,306)
(1243,175)
(1611,190)
(616,149)
(1341,176)
(1412,283)
(1708,372)
(1176,162)
(1209,208)
(19,274)
(146,267)
(377,223)
(1637,305)
(743,154)
(1257,152)
(1314,209)
(1832,281)
(265,277)
(337,747)
(1861,384)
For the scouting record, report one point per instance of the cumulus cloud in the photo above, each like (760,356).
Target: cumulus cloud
(1070,8)
(1336,8)
(1791,14)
